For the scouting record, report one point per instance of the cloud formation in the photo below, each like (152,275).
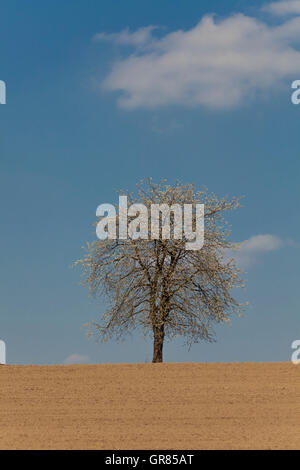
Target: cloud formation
(76,359)
(288,7)
(252,249)
(125,38)
(216,64)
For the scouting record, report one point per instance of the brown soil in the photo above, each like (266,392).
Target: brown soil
(150,406)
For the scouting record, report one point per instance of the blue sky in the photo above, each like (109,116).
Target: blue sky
(96,102)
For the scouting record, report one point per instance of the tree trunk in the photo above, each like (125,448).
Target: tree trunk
(158,343)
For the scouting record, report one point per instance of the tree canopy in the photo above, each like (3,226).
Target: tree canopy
(158,285)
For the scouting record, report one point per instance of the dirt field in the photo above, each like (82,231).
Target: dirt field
(150,406)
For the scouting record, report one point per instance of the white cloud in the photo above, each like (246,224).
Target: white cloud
(251,250)
(217,63)
(138,38)
(259,243)
(288,7)
(76,359)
